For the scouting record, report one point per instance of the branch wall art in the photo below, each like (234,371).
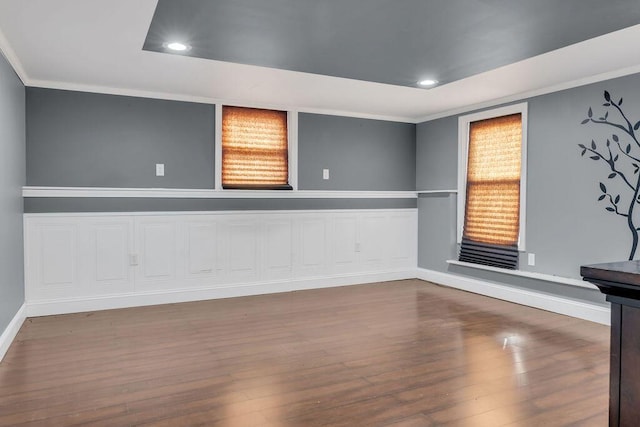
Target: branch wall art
(620,154)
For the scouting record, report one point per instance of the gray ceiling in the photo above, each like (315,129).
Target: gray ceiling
(388,41)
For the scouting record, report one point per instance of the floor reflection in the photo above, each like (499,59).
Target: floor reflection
(388,354)
(507,357)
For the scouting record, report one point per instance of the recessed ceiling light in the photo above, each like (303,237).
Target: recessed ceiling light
(177,46)
(427,83)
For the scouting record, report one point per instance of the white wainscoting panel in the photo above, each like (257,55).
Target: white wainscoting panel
(104,260)
(156,253)
(374,240)
(51,254)
(277,248)
(79,256)
(202,253)
(242,250)
(402,239)
(311,255)
(111,254)
(76,262)
(58,254)
(344,243)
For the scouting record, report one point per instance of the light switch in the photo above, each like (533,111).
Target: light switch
(325,173)
(532,259)
(159,169)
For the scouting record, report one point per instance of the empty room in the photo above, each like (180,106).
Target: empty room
(290,213)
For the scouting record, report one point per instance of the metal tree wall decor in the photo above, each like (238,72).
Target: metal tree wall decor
(621,153)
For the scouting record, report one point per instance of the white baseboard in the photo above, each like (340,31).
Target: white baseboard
(582,310)
(556,304)
(107,302)
(11,330)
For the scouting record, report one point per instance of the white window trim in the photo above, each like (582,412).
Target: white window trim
(292,149)
(292,129)
(463,155)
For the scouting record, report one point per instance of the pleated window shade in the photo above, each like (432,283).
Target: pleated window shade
(254,149)
(492,209)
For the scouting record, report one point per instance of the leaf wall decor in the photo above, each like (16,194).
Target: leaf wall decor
(618,167)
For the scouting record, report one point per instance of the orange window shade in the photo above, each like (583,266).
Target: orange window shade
(254,148)
(492,212)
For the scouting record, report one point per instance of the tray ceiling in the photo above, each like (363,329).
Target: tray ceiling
(352,57)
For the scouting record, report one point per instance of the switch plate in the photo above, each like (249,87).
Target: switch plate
(325,173)
(531,259)
(159,169)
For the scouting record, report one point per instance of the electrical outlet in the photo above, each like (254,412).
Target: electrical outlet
(159,169)
(325,173)
(531,259)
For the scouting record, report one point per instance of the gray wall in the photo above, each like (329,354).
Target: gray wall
(437,154)
(437,169)
(360,154)
(566,226)
(79,139)
(12,178)
(436,230)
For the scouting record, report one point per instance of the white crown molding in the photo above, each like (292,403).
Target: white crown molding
(14,61)
(170,193)
(342,113)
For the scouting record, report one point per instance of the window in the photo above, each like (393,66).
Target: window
(491,186)
(254,149)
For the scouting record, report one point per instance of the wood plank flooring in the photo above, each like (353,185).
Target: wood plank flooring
(401,354)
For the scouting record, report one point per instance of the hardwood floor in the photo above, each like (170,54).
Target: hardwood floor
(400,354)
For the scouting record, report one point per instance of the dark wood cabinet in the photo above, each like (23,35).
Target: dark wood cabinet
(620,281)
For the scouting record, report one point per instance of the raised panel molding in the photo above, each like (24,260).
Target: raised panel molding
(278,248)
(202,255)
(45,242)
(104,260)
(243,247)
(157,245)
(402,239)
(345,243)
(58,254)
(311,256)
(374,239)
(111,253)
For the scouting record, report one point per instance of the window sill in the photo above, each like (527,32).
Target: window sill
(528,274)
(249,187)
